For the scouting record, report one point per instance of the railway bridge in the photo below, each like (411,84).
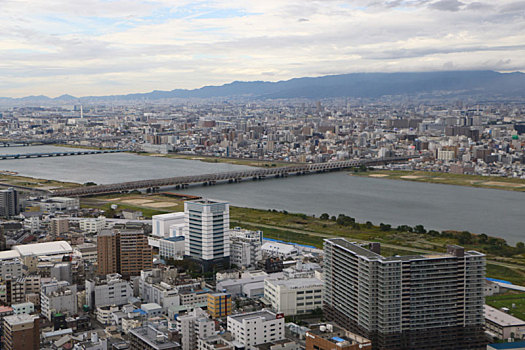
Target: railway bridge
(231,176)
(58,154)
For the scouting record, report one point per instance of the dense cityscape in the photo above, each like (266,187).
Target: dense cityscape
(262,175)
(481,139)
(79,273)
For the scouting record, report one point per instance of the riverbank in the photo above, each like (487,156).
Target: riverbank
(26,181)
(493,182)
(210,159)
(503,261)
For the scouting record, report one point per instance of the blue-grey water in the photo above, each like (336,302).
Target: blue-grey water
(440,207)
(104,168)
(494,212)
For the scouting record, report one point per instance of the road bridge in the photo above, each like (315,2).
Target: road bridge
(231,176)
(58,154)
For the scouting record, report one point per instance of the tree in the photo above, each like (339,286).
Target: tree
(420,229)
(369,224)
(464,237)
(324,216)
(483,238)
(385,227)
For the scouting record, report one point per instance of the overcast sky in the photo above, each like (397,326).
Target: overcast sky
(99,47)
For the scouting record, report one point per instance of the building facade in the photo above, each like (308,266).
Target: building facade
(294,296)
(9,205)
(245,247)
(207,223)
(406,302)
(219,304)
(21,332)
(256,328)
(126,252)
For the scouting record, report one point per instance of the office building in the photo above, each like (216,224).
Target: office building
(168,225)
(256,328)
(406,302)
(245,247)
(294,296)
(21,332)
(9,205)
(172,248)
(207,238)
(219,304)
(123,251)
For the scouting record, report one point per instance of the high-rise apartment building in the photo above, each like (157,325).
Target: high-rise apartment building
(206,237)
(107,252)
(123,251)
(21,332)
(9,203)
(135,253)
(406,302)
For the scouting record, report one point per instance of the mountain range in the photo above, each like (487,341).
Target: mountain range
(484,84)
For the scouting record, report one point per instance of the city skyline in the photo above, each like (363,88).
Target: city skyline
(98,47)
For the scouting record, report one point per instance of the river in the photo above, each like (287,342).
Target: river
(494,212)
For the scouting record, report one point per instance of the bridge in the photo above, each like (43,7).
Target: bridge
(231,176)
(58,154)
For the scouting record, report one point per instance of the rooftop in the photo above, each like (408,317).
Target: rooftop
(153,337)
(14,320)
(502,318)
(297,282)
(265,314)
(176,215)
(48,248)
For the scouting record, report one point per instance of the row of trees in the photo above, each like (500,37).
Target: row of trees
(492,245)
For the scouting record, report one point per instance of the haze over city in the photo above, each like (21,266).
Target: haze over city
(116,47)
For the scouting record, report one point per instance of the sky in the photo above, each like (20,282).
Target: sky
(103,47)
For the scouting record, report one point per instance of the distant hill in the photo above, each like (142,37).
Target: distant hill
(488,84)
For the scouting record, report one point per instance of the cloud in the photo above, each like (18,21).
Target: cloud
(447,5)
(96,47)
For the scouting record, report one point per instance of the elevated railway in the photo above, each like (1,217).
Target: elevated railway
(58,154)
(231,176)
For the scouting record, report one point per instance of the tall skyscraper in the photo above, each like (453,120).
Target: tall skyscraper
(126,252)
(9,203)
(21,332)
(207,232)
(406,302)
